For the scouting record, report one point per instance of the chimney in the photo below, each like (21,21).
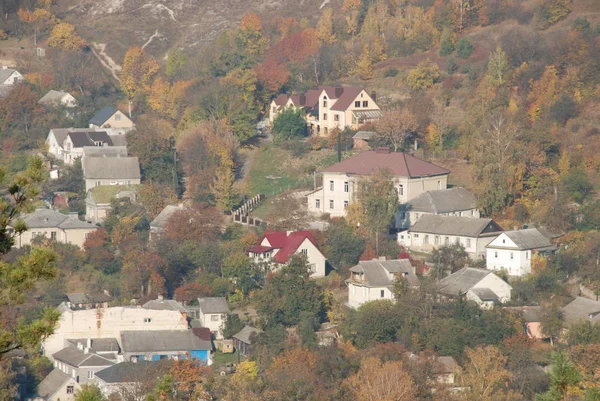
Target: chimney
(89,343)
(160,297)
(5,67)
(73,215)
(374,96)
(86,350)
(80,346)
(338,91)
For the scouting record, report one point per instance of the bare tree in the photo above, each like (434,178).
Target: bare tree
(395,125)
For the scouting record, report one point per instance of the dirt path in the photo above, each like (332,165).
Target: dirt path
(99,51)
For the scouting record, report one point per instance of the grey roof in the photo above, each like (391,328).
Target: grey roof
(110,167)
(213,305)
(245,334)
(365,135)
(119,139)
(48,218)
(485,294)
(52,383)
(5,90)
(75,357)
(52,97)
(61,133)
(445,364)
(582,309)
(376,275)
(461,281)
(98,344)
(5,73)
(443,201)
(530,238)
(129,372)
(105,151)
(85,298)
(102,115)
(454,225)
(530,313)
(164,304)
(89,138)
(162,340)
(163,217)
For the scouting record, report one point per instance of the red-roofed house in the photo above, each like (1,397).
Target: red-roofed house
(412,177)
(276,247)
(329,107)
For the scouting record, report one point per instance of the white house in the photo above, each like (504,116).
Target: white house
(276,248)
(478,285)
(213,312)
(411,178)
(432,231)
(445,202)
(58,98)
(100,171)
(75,141)
(512,251)
(56,386)
(372,280)
(10,76)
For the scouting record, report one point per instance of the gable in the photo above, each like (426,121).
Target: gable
(502,241)
(491,228)
(265,242)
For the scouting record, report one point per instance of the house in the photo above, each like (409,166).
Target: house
(97,201)
(75,141)
(82,300)
(478,285)
(445,202)
(135,379)
(443,368)
(532,317)
(10,76)
(98,171)
(55,226)
(166,304)
(213,312)
(56,386)
(108,323)
(513,250)
(432,231)
(156,345)
(411,177)
(361,139)
(276,248)
(331,107)
(56,139)
(159,224)
(372,280)
(80,363)
(56,98)
(112,120)
(242,341)
(581,310)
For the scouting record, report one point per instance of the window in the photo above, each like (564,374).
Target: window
(495,254)
(98,183)
(318,203)
(504,241)
(305,252)
(331,186)
(511,256)
(118,117)
(436,240)
(86,235)
(147,320)
(472,213)
(53,235)
(214,318)
(468,242)
(457,241)
(324,116)
(416,235)
(90,374)
(331,203)
(382,293)
(345,205)
(527,255)
(357,103)
(426,239)
(365,103)
(324,102)
(401,190)
(346,186)
(70,389)
(402,215)
(336,117)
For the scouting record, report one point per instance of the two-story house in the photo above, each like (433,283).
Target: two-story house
(330,107)
(478,285)
(212,314)
(100,171)
(75,141)
(276,247)
(432,231)
(80,363)
(112,120)
(372,280)
(53,225)
(411,176)
(445,202)
(513,250)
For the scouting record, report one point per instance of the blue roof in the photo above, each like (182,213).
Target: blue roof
(101,116)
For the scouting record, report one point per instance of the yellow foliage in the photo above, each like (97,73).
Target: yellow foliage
(564,163)
(538,263)
(138,71)
(325,27)
(513,107)
(364,66)
(63,36)
(434,138)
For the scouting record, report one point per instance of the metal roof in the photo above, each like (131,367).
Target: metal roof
(48,218)
(52,383)
(213,305)
(530,238)
(376,271)
(75,357)
(581,310)
(245,334)
(485,294)
(105,151)
(53,97)
(443,201)
(89,138)
(163,217)
(454,225)
(164,304)
(162,341)
(98,344)
(5,73)
(458,283)
(130,372)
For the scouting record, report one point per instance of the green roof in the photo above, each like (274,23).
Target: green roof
(104,193)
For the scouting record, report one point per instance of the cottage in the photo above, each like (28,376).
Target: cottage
(60,98)
(445,202)
(213,312)
(110,171)
(53,225)
(111,120)
(581,310)
(331,107)
(372,280)
(159,224)
(10,76)
(411,177)
(80,363)
(513,250)
(242,341)
(532,317)
(156,345)
(432,231)
(478,285)
(97,201)
(56,139)
(276,248)
(57,386)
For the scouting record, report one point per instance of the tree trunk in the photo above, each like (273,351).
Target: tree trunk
(129,104)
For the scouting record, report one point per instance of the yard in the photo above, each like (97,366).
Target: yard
(220,358)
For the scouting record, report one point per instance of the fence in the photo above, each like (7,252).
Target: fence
(241,214)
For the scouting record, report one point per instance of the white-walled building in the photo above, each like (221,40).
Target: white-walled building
(433,231)
(276,248)
(56,98)
(372,280)
(513,250)
(10,76)
(57,386)
(478,285)
(213,312)
(411,178)
(111,120)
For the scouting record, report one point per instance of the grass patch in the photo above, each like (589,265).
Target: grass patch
(220,358)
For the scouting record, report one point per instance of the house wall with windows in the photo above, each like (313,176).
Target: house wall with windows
(358,294)
(500,287)
(427,242)
(81,375)
(74,236)
(315,259)
(97,182)
(408,219)
(118,120)
(13,78)
(503,254)
(214,322)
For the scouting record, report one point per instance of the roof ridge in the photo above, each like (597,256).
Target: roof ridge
(406,164)
(428,193)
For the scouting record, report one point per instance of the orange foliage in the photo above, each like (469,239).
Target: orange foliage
(272,73)
(251,22)
(43,80)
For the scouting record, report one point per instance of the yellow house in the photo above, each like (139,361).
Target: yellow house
(112,120)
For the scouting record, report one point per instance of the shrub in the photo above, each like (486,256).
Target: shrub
(577,185)
(451,67)
(424,75)
(581,24)
(3,35)
(563,109)
(296,147)
(391,72)
(554,11)
(464,48)
(446,43)
(289,123)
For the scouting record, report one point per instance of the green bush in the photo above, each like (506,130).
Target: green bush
(464,48)
(447,46)
(451,67)
(391,72)
(554,11)
(581,24)
(290,123)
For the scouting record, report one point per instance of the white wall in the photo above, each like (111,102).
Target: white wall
(502,253)
(358,295)
(54,148)
(409,218)
(427,242)
(214,322)
(92,183)
(497,285)
(14,78)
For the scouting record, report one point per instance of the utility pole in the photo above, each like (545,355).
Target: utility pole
(172,146)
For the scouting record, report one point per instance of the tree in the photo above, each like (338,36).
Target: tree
(395,126)
(497,68)
(551,321)
(63,37)
(250,35)
(485,375)
(374,322)
(325,27)
(307,326)
(387,381)
(464,47)
(241,270)
(563,376)
(17,108)
(563,109)
(137,73)
(233,325)
(89,392)
(364,65)
(176,61)
(40,19)
(447,40)
(577,184)
(553,11)
(342,246)
(449,258)
(290,123)
(155,197)
(423,76)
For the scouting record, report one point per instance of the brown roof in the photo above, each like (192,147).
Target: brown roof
(348,96)
(88,138)
(281,99)
(399,164)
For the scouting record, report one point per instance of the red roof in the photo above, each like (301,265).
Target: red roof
(286,244)
(347,98)
(281,100)
(311,97)
(400,164)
